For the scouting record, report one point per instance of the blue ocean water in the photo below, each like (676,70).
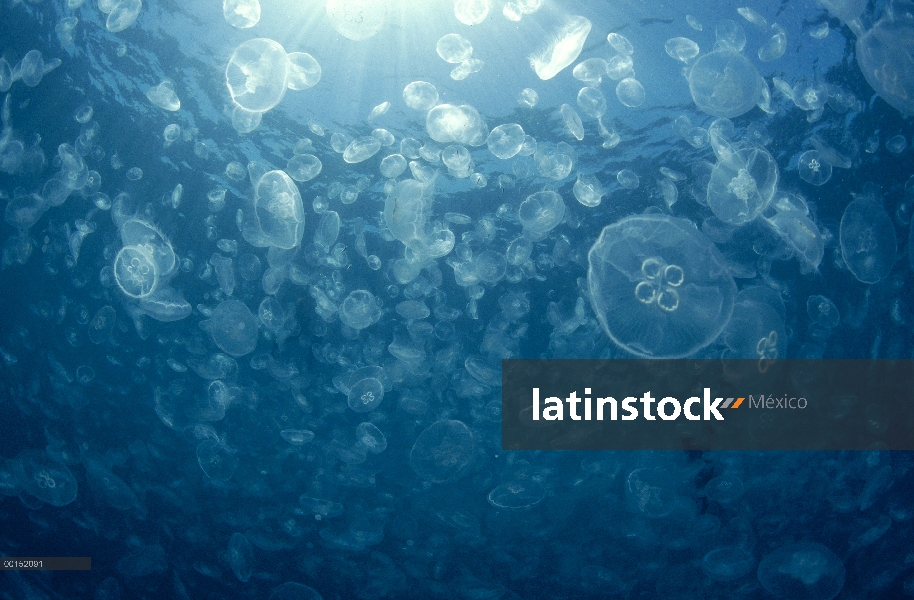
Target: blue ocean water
(257,284)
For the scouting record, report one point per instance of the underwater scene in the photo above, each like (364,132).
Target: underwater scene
(262,259)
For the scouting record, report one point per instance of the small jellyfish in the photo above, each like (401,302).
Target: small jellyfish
(216,460)
(802,571)
(240,557)
(630,92)
(136,271)
(682,49)
(454,48)
(234,328)
(371,438)
(366,395)
(46,479)
(420,95)
(823,312)
(360,309)
(814,168)
(471,12)
(742,184)
(241,14)
(304,71)
(357,19)
(588,191)
(257,74)
(164,96)
(102,325)
(505,141)
(445,451)
(541,212)
(563,49)
(628,179)
(868,242)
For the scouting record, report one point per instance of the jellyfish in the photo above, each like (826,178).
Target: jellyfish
(445,451)
(406,211)
(135,271)
(756,328)
(801,235)
(868,242)
(682,49)
(592,102)
(241,14)
(462,124)
(216,460)
(454,48)
(304,71)
(742,184)
(234,328)
(420,95)
(357,19)
(505,141)
(360,309)
(724,83)
(802,571)
(46,479)
(814,168)
(540,213)
(471,12)
(278,216)
(630,92)
(563,49)
(366,395)
(371,438)
(303,167)
(886,59)
(257,74)
(659,287)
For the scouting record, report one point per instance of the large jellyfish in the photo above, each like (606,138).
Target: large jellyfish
(885,55)
(659,287)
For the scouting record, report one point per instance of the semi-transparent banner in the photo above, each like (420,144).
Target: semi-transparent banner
(707,404)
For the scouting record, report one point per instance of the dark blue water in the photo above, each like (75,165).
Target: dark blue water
(188,421)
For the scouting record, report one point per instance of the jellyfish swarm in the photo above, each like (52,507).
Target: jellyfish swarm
(257,75)
(724,83)
(277,217)
(659,287)
(885,55)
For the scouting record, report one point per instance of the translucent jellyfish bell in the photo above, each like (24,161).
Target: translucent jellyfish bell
(135,271)
(445,451)
(360,309)
(257,74)
(278,216)
(659,287)
(540,213)
(813,167)
(868,242)
(742,186)
(806,570)
(886,59)
(234,328)
(357,19)
(724,83)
